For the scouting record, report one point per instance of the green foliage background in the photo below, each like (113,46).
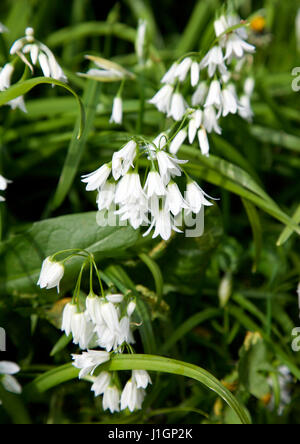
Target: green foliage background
(251,241)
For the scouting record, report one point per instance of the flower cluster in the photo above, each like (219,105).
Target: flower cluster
(215,95)
(107,384)
(105,321)
(3,186)
(159,203)
(39,53)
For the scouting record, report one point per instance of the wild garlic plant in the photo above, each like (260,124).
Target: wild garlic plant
(99,321)
(141,186)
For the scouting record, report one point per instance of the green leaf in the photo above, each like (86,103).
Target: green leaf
(228,170)
(77,32)
(256,229)
(186,258)
(61,344)
(248,324)
(253,360)
(22,256)
(22,88)
(156,273)
(279,138)
(234,179)
(189,325)
(143,362)
(76,147)
(287,232)
(198,20)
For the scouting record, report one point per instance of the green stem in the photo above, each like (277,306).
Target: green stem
(140,122)
(149,363)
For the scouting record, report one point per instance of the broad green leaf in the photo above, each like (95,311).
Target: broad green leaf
(22,88)
(149,363)
(22,256)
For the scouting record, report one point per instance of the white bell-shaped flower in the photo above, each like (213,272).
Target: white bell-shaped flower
(141,378)
(51,274)
(154,185)
(101,383)
(195,197)
(214,97)
(97,179)
(106,196)
(203,142)
(162,99)
(82,330)
(132,397)
(123,159)
(111,399)
(117,111)
(214,60)
(69,311)
(178,107)
(168,166)
(93,308)
(178,141)
(88,361)
(175,201)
